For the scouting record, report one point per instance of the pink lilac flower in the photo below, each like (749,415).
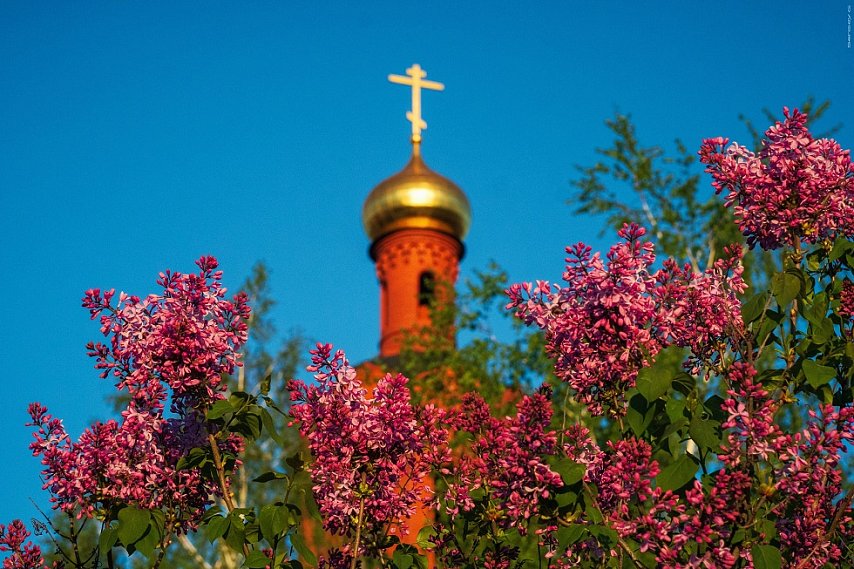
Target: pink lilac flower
(796,189)
(846,300)
(623,476)
(23,553)
(180,342)
(508,459)
(750,413)
(337,559)
(612,318)
(376,450)
(808,483)
(710,311)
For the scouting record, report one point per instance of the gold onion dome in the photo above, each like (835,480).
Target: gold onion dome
(416,197)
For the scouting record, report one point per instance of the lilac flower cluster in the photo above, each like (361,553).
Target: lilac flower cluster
(795,189)
(507,461)
(14,539)
(181,342)
(371,455)
(612,319)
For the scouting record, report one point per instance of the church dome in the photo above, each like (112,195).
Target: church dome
(416,197)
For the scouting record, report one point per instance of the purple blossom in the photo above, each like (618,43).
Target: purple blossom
(796,189)
(180,342)
(369,453)
(612,318)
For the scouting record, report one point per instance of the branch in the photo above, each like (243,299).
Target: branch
(194,553)
(358,531)
(220,471)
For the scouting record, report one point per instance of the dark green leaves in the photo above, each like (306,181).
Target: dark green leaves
(678,473)
(705,432)
(766,557)
(655,380)
(407,557)
(754,307)
(216,527)
(256,560)
(133,524)
(219,409)
(273,520)
(570,472)
(816,374)
(786,286)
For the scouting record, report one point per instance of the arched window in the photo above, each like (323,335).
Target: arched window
(426,288)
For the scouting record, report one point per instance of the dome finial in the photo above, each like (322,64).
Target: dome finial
(415,78)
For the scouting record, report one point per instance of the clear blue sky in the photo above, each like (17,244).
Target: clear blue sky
(136,137)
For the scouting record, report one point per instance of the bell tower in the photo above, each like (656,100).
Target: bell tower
(416,220)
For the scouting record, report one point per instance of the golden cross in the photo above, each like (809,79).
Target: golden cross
(415,78)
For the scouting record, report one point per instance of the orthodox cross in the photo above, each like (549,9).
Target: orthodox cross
(415,78)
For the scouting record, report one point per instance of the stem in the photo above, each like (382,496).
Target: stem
(159,558)
(358,532)
(74,548)
(563,411)
(220,471)
(164,543)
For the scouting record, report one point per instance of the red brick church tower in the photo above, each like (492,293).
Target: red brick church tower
(416,220)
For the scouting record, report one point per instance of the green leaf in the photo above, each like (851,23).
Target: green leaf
(252,533)
(248,425)
(816,374)
(264,386)
(753,308)
(840,248)
(684,383)
(273,519)
(269,476)
(713,407)
(568,535)
(785,287)
(193,459)
(654,381)
(639,415)
(216,528)
(256,560)
(108,539)
(132,524)
(677,474)
(704,432)
(570,471)
(295,462)
(675,408)
(149,542)
(605,535)
(269,425)
(219,409)
(766,557)
(235,537)
(816,311)
(425,534)
(298,541)
(822,331)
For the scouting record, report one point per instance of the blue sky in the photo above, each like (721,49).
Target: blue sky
(137,137)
